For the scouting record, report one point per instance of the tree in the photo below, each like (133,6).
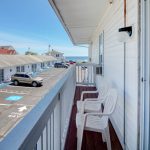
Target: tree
(30,53)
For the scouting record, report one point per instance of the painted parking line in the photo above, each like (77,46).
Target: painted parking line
(5,104)
(21,87)
(2,104)
(24,104)
(14,92)
(20,111)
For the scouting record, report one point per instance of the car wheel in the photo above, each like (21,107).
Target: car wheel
(34,84)
(16,82)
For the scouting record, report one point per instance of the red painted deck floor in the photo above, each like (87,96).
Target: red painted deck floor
(91,140)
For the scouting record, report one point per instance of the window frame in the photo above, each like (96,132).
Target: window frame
(101,53)
(18,69)
(1,75)
(22,68)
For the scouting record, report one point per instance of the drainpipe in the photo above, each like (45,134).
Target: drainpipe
(124,80)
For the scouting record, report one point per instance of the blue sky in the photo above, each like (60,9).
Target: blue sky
(33,23)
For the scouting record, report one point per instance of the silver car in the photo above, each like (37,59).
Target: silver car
(26,78)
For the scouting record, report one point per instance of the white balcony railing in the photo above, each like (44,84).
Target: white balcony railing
(45,127)
(85,73)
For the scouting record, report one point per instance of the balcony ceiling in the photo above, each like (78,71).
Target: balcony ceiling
(79,17)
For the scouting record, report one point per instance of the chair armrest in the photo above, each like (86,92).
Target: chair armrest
(89,100)
(87,92)
(94,100)
(97,114)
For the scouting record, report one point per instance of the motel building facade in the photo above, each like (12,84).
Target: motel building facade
(10,64)
(117,33)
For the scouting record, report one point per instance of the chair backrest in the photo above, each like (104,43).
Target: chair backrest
(103,90)
(110,102)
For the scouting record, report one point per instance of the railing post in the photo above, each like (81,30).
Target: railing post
(94,73)
(85,73)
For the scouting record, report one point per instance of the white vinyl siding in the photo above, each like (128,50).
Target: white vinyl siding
(112,20)
(8,72)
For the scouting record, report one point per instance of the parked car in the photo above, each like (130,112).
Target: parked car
(84,67)
(65,63)
(26,78)
(60,65)
(71,62)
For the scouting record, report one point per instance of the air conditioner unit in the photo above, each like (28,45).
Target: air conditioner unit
(99,70)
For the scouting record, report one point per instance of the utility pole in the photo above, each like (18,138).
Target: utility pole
(49,47)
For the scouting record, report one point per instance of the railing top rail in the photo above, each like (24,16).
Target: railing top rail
(27,127)
(86,64)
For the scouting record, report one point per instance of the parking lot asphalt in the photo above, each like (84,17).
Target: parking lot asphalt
(12,111)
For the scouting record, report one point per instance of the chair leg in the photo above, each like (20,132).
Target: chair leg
(80,130)
(103,137)
(108,138)
(79,138)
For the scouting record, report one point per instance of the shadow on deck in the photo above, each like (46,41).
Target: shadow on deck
(91,140)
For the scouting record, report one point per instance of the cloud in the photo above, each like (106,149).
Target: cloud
(22,43)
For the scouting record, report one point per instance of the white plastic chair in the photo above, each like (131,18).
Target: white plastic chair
(93,104)
(97,122)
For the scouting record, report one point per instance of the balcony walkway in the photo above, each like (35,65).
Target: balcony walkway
(91,140)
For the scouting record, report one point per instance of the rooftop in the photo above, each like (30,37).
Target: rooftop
(15,60)
(9,47)
(7,50)
(56,52)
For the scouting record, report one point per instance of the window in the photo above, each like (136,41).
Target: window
(101,53)
(34,67)
(19,75)
(18,69)
(42,65)
(22,69)
(1,75)
(26,76)
(57,55)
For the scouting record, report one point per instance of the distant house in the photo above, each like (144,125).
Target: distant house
(10,64)
(58,55)
(7,50)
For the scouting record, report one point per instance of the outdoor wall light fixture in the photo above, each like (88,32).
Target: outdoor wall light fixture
(126,29)
(125,33)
